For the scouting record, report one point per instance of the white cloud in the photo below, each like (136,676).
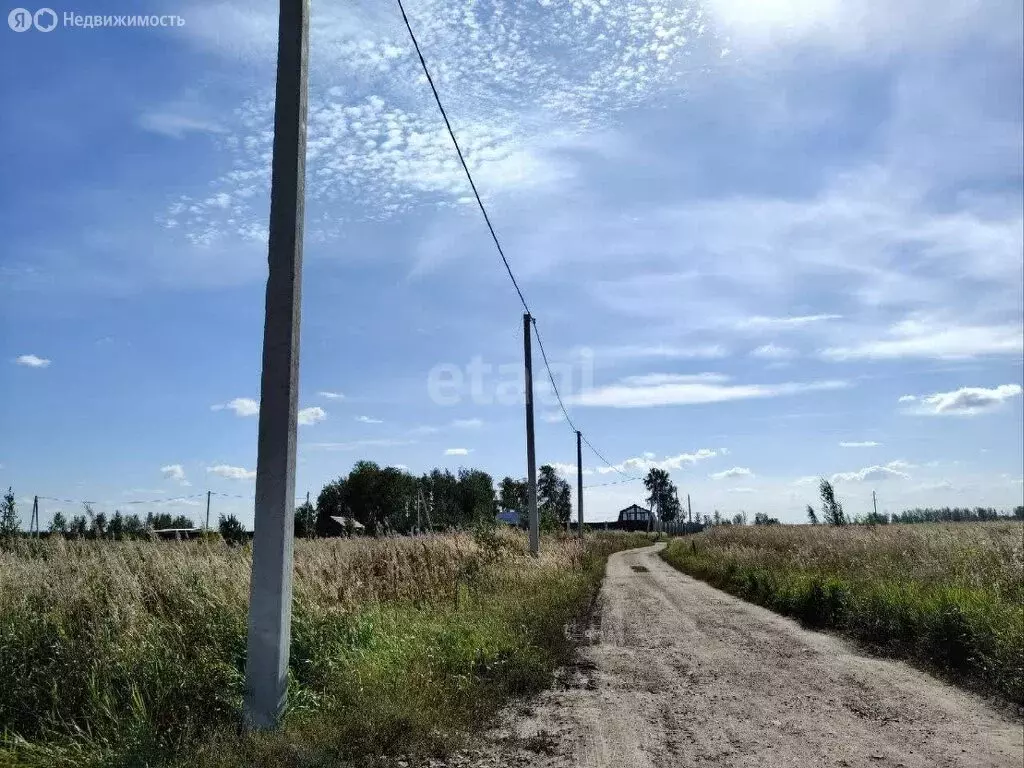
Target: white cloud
(774,352)
(32,361)
(648,461)
(457,451)
(663,389)
(741,489)
(789,323)
(806,480)
(232,473)
(242,406)
(368,420)
(175,472)
(860,444)
(313,415)
(891,471)
(706,352)
(176,126)
(332,395)
(966,401)
(468,423)
(731,473)
(927,337)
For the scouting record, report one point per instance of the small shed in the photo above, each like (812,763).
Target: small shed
(349,523)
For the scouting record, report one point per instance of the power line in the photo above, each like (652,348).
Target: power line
(462,159)
(494,236)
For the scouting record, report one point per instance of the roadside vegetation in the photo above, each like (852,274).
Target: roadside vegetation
(132,652)
(947,595)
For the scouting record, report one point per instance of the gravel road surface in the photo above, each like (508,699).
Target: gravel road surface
(676,673)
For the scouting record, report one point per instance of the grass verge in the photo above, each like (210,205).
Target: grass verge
(126,654)
(949,596)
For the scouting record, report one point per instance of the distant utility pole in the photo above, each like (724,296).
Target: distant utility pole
(270,593)
(208,510)
(35,516)
(531,456)
(579,478)
(874,503)
(689,509)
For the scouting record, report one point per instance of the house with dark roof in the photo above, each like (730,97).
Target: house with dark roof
(635,518)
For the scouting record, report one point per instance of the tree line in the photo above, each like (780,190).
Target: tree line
(390,500)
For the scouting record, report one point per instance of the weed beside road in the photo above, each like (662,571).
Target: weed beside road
(133,653)
(950,596)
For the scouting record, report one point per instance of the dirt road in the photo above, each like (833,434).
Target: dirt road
(679,674)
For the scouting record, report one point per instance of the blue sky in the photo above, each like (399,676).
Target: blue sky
(763,242)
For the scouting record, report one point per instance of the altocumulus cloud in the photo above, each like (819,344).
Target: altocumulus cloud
(175,472)
(891,471)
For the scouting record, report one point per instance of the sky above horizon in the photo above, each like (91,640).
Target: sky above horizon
(763,241)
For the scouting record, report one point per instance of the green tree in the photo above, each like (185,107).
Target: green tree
(762,518)
(10,522)
(79,527)
(331,502)
(512,498)
(812,516)
(831,508)
(133,527)
(59,524)
(663,498)
(231,529)
(305,521)
(116,527)
(99,526)
(554,499)
(475,498)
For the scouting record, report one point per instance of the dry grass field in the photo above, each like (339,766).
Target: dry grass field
(132,653)
(948,595)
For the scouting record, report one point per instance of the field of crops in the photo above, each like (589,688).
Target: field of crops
(949,596)
(132,653)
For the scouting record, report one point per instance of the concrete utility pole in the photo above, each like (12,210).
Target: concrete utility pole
(35,516)
(874,503)
(531,456)
(270,594)
(579,478)
(689,509)
(208,510)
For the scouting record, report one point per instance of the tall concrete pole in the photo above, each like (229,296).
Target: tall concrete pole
(531,455)
(579,478)
(689,509)
(270,593)
(208,510)
(874,503)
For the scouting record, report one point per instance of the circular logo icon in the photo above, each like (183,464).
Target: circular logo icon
(45,20)
(19,20)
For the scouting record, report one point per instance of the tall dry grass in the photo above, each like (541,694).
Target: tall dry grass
(950,595)
(132,653)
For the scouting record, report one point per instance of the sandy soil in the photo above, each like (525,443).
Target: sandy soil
(679,674)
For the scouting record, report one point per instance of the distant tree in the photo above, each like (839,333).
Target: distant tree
(812,516)
(762,518)
(1018,512)
(231,529)
(331,502)
(59,524)
(133,527)
(475,497)
(737,519)
(116,527)
(831,508)
(182,521)
(717,519)
(79,527)
(663,496)
(10,522)
(99,526)
(554,499)
(305,521)
(512,498)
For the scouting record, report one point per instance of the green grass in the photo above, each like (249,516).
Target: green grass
(133,653)
(949,596)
